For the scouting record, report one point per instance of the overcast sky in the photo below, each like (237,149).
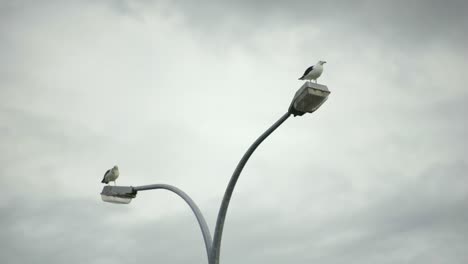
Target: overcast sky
(175,92)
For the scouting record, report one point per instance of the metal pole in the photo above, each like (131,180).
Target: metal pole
(216,248)
(201,220)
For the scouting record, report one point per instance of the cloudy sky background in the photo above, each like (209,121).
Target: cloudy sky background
(176,91)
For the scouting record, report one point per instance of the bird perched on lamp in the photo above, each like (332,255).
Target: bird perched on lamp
(313,72)
(111,175)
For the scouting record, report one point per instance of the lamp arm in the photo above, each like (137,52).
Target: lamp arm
(201,220)
(216,248)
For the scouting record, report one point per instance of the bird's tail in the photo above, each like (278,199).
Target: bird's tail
(302,78)
(104,181)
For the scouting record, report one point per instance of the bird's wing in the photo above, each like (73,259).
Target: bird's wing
(307,71)
(104,178)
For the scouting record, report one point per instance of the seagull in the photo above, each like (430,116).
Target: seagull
(111,175)
(313,72)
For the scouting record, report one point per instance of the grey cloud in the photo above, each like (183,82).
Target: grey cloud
(174,92)
(397,23)
(78,231)
(50,231)
(406,225)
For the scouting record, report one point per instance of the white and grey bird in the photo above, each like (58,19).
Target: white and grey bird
(313,72)
(111,175)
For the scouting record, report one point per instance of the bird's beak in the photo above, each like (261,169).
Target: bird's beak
(324,62)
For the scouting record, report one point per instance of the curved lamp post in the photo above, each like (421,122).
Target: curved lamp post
(125,194)
(306,100)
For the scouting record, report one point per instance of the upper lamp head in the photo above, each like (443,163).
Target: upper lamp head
(308,98)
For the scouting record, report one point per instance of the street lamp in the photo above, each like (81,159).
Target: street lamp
(124,194)
(306,100)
